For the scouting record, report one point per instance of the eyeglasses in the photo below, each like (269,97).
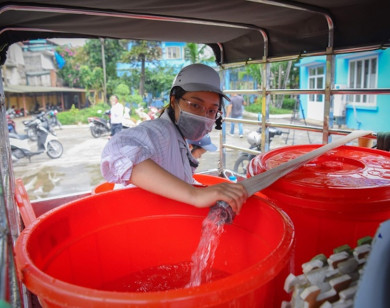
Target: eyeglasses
(201,110)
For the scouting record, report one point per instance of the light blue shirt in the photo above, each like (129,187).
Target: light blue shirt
(156,139)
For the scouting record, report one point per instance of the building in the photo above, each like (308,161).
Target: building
(352,71)
(30,79)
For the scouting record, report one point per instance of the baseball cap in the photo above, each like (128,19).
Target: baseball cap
(199,77)
(204,143)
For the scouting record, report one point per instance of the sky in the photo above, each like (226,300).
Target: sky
(71,41)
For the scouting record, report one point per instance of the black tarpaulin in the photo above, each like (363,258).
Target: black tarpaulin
(235,29)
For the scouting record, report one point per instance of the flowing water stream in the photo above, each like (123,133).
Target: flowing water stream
(184,274)
(203,258)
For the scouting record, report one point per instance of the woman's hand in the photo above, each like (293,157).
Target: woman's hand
(151,177)
(234,194)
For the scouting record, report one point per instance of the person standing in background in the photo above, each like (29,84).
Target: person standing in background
(116,116)
(235,111)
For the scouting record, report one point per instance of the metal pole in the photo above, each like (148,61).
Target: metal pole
(104,70)
(265,104)
(328,103)
(10,224)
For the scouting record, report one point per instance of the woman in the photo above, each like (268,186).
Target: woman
(155,156)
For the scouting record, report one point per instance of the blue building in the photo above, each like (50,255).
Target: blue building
(173,55)
(352,71)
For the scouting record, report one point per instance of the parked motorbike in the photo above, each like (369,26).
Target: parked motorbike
(53,120)
(31,128)
(11,125)
(100,126)
(15,113)
(254,139)
(47,141)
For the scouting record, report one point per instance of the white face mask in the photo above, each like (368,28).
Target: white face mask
(192,126)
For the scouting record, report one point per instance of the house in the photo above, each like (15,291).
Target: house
(362,70)
(30,79)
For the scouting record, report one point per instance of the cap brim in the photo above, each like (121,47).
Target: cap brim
(210,147)
(200,87)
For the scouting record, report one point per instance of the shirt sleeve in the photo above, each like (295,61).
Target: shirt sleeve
(131,147)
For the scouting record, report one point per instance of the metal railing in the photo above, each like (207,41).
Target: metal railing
(266,123)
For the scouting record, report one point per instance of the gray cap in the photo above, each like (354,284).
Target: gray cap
(199,77)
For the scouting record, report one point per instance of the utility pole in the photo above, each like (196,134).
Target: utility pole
(104,69)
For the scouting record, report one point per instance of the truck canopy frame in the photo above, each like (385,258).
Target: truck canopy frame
(238,31)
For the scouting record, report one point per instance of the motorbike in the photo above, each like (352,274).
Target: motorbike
(52,117)
(47,142)
(100,126)
(31,127)
(254,139)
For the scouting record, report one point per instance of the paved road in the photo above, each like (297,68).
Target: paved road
(78,168)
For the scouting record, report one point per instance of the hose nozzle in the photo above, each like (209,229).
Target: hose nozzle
(223,211)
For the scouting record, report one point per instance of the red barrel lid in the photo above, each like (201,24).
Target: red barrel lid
(347,172)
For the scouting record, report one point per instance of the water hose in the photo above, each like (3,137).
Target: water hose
(263,180)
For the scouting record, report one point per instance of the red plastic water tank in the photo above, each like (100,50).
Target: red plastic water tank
(83,253)
(333,200)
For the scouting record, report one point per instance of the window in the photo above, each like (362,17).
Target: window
(173,52)
(362,75)
(316,81)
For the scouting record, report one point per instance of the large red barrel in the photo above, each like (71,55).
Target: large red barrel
(333,200)
(98,251)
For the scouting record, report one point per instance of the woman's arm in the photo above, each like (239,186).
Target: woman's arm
(151,177)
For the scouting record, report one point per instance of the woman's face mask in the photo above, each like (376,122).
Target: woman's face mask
(192,126)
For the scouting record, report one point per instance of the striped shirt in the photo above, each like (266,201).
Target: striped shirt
(156,139)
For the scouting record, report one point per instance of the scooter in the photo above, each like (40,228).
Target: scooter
(99,126)
(31,127)
(102,126)
(47,141)
(254,139)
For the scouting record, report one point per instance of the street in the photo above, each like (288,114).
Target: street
(78,169)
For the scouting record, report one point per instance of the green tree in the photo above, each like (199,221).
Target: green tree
(198,53)
(139,53)
(282,76)
(90,56)
(254,70)
(136,99)
(113,50)
(92,81)
(70,72)
(159,80)
(123,92)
